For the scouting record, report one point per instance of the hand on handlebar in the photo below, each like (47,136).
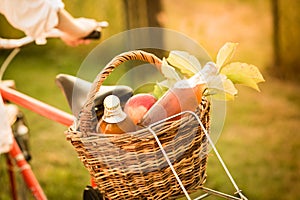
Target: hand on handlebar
(84,26)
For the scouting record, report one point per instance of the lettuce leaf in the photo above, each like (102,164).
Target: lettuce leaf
(225,54)
(243,73)
(185,62)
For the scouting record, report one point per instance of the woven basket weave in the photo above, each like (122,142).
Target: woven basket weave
(132,165)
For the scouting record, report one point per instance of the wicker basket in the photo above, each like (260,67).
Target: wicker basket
(132,165)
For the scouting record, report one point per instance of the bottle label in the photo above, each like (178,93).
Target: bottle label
(113,119)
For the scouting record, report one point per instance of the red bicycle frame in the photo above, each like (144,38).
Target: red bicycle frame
(15,152)
(36,106)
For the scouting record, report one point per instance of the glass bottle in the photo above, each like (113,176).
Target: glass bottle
(114,119)
(186,95)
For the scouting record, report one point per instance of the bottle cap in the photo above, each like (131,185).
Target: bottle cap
(111,102)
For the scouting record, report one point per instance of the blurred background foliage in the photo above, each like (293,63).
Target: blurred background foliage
(281,20)
(260,139)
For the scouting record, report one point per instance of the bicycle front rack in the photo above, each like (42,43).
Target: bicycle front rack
(207,191)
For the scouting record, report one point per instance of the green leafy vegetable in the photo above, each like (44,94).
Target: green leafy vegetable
(169,73)
(186,63)
(219,77)
(243,73)
(159,90)
(225,54)
(220,87)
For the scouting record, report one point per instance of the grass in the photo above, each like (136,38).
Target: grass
(263,129)
(260,138)
(54,162)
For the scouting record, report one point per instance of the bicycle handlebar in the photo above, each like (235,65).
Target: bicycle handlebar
(96,34)
(54,33)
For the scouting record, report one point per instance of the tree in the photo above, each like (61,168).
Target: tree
(286,43)
(142,13)
(276,47)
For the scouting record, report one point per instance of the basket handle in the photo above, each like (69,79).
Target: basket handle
(86,114)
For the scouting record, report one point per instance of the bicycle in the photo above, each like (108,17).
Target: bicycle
(67,119)
(19,154)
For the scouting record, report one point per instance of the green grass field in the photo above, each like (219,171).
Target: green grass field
(260,139)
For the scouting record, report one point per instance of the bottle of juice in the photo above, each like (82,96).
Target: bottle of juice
(186,95)
(114,119)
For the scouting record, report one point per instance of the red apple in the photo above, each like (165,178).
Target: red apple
(138,105)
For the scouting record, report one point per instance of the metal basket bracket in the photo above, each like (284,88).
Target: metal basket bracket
(205,189)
